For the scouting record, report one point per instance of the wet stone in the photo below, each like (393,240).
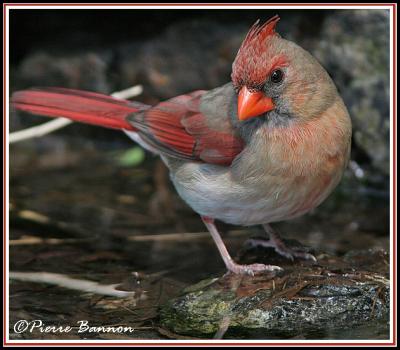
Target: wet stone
(306,299)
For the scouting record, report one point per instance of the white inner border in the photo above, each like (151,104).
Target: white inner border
(132,7)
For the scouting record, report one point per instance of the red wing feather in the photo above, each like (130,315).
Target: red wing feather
(178,129)
(175,127)
(81,106)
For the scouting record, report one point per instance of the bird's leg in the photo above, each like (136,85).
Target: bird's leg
(276,242)
(229,263)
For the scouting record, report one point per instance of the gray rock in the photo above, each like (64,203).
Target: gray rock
(354,48)
(333,295)
(188,56)
(84,71)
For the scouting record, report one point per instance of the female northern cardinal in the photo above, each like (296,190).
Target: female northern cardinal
(270,145)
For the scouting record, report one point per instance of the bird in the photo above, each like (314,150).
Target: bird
(268,146)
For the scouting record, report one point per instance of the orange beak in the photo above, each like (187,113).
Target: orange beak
(253,104)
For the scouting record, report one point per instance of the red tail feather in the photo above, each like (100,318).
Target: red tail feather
(81,106)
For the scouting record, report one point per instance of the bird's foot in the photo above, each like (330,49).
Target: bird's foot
(251,270)
(230,264)
(281,248)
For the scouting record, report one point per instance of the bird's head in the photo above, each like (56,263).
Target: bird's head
(277,79)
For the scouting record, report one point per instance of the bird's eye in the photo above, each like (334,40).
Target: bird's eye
(276,76)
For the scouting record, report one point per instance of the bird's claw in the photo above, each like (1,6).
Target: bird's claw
(291,253)
(282,249)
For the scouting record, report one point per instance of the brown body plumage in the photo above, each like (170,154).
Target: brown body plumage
(269,146)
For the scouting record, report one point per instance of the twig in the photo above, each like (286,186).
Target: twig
(223,327)
(38,131)
(128,93)
(32,240)
(53,125)
(185,236)
(70,283)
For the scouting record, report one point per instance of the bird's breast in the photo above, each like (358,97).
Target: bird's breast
(213,191)
(278,176)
